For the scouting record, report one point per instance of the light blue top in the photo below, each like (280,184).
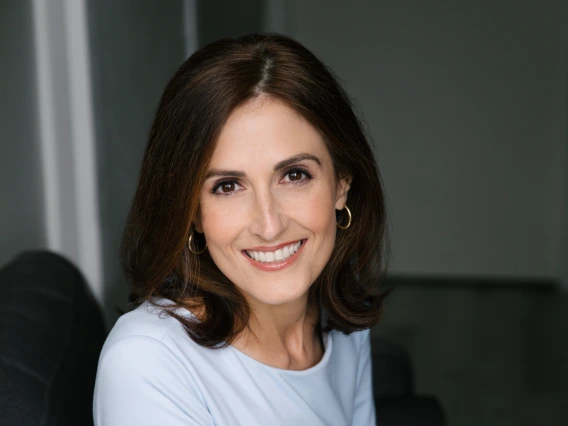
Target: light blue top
(151,373)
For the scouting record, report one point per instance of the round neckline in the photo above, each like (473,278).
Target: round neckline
(327,348)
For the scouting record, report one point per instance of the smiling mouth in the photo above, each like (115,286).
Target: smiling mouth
(275,256)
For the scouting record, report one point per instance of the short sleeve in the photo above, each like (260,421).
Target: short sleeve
(364,404)
(141,382)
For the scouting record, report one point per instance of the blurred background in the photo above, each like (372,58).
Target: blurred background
(467,105)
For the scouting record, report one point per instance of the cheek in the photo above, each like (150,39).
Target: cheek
(319,218)
(317,214)
(219,225)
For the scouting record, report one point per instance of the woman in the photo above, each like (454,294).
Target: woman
(254,247)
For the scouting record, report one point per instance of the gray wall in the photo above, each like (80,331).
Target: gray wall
(21,210)
(228,18)
(135,50)
(466,104)
(563,254)
(563,258)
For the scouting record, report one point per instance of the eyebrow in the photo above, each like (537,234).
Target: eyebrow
(278,166)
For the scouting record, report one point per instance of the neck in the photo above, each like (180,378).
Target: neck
(282,336)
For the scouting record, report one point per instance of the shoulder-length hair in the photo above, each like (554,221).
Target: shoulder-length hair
(193,109)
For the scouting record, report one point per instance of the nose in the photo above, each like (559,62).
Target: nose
(267,218)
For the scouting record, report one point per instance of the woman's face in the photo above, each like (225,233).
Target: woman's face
(267,208)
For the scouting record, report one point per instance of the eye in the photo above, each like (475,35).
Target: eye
(226,187)
(297,175)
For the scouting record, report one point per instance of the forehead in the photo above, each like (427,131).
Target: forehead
(265,131)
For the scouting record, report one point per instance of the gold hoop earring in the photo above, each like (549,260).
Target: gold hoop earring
(348,220)
(189,245)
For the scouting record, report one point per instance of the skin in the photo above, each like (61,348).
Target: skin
(260,206)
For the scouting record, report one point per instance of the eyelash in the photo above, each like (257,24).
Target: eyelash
(308,176)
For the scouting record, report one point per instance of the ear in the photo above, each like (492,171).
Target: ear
(342,189)
(197,221)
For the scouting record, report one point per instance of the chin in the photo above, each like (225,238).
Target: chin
(279,295)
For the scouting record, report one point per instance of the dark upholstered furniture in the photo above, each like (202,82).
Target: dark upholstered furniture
(393,385)
(51,333)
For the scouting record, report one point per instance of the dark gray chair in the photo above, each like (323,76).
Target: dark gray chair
(51,333)
(393,386)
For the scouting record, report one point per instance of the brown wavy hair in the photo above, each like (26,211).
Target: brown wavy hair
(193,109)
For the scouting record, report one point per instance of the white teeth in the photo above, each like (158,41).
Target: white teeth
(277,255)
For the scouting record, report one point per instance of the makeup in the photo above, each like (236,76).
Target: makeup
(275,265)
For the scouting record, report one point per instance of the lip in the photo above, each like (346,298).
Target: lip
(272,248)
(274,266)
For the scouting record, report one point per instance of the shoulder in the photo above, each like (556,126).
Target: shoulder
(142,373)
(149,331)
(146,320)
(139,336)
(356,340)
(349,348)
(149,336)
(147,349)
